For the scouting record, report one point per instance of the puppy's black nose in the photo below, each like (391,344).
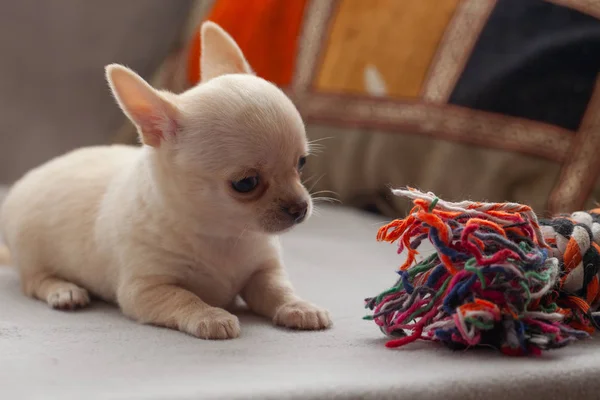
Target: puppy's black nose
(297,211)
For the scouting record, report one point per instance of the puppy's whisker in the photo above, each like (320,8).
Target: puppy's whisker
(317,211)
(239,237)
(315,148)
(307,180)
(325,191)
(315,184)
(327,200)
(320,139)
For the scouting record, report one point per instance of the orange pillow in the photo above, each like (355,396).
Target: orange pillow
(267,31)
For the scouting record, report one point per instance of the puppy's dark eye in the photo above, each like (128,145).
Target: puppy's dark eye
(301,163)
(245,185)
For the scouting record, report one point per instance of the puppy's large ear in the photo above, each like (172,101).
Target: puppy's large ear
(153,115)
(220,54)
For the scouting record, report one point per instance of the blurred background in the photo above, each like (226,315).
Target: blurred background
(53,95)
(485,99)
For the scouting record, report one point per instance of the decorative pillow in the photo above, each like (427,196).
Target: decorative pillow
(493,100)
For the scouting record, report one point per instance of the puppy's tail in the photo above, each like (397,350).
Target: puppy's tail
(4,255)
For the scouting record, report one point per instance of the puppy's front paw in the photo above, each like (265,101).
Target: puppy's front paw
(215,324)
(68,297)
(302,315)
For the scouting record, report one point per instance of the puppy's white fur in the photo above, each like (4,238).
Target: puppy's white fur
(159,229)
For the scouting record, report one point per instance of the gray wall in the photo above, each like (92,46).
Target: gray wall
(53,96)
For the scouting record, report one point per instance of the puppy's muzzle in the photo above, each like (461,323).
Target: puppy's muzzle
(296,211)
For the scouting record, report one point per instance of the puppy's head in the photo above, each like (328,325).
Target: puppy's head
(230,151)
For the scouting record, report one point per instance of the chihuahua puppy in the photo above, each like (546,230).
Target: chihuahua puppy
(174,231)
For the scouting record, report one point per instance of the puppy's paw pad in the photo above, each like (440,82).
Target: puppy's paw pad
(215,324)
(302,315)
(68,298)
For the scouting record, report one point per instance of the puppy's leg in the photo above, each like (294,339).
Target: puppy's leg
(171,306)
(57,292)
(269,293)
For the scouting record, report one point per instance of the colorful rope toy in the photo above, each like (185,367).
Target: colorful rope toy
(497,277)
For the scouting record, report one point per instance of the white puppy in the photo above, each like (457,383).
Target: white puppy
(174,231)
